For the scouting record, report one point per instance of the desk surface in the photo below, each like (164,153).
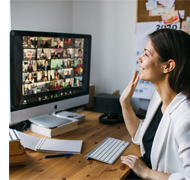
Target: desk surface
(92,132)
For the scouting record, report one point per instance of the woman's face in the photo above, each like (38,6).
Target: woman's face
(151,69)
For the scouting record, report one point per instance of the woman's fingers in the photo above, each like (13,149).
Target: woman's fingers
(136,80)
(129,157)
(134,76)
(134,84)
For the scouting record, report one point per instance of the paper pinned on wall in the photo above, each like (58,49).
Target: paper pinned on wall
(185,26)
(161,10)
(188,19)
(170,18)
(145,89)
(168,3)
(181,13)
(151,4)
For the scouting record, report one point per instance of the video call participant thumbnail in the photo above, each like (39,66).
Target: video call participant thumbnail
(40,65)
(29,42)
(58,74)
(29,66)
(78,81)
(56,64)
(57,43)
(69,42)
(43,87)
(68,82)
(78,53)
(70,53)
(46,66)
(29,90)
(78,71)
(69,85)
(43,53)
(68,75)
(56,53)
(79,63)
(30,78)
(29,54)
(56,86)
(79,43)
(43,42)
(43,76)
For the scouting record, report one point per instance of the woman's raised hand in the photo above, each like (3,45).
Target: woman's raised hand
(129,90)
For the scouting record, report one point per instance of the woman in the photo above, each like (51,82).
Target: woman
(29,78)
(30,68)
(164,135)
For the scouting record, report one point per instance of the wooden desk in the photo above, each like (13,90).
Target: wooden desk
(92,132)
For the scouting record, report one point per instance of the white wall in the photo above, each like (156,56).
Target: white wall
(41,15)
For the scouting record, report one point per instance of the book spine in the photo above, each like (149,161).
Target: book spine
(40,130)
(13,135)
(40,143)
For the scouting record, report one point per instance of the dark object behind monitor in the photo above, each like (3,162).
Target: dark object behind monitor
(109,105)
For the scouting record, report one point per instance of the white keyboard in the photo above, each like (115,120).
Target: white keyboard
(108,150)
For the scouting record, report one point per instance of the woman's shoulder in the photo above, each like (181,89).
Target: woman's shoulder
(182,107)
(181,115)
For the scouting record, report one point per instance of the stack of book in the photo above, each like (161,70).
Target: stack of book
(51,126)
(17,152)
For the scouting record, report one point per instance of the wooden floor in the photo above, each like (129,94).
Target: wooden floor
(76,167)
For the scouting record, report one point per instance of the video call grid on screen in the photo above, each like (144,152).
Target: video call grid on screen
(51,63)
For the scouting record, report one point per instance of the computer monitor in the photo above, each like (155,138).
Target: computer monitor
(49,72)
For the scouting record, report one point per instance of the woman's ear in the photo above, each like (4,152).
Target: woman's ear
(169,66)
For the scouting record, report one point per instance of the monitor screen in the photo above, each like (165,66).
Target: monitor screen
(47,68)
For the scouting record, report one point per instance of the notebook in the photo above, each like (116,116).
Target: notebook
(50,145)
